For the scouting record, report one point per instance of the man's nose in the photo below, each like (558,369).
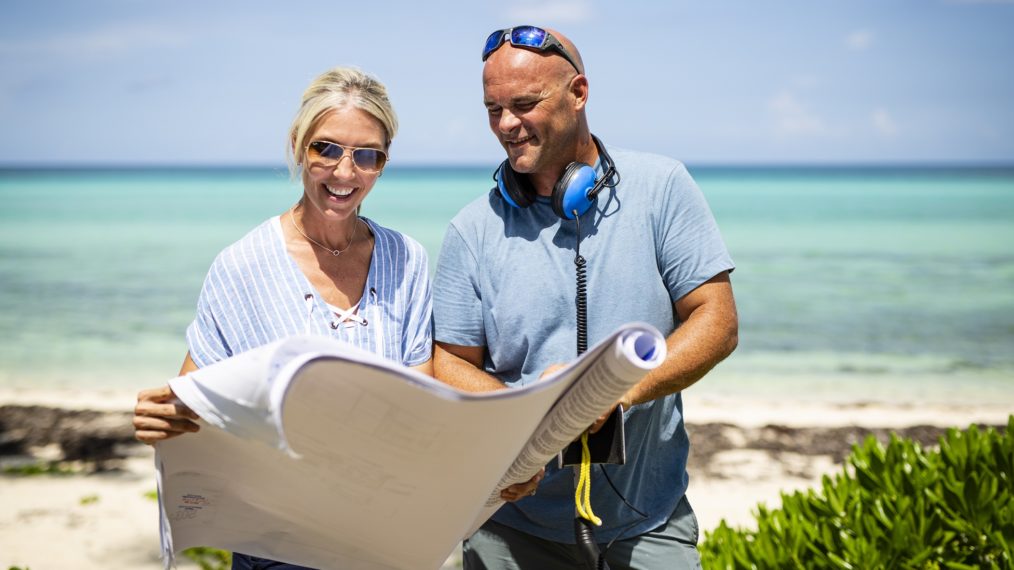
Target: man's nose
(508,121)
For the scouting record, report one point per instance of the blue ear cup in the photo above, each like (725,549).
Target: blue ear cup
(572,190)
(575,190)
(515,189)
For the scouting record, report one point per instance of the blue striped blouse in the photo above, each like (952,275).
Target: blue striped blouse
(255,294)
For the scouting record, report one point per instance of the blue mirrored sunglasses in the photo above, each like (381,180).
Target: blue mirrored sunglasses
(532,37)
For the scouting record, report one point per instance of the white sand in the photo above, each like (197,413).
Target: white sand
(105,521)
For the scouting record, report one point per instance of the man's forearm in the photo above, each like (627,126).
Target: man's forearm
(460,373)
(708,335)
(691,355)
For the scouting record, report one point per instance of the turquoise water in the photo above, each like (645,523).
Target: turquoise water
(852,283)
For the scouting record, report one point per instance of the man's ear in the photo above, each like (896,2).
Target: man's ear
(578,88)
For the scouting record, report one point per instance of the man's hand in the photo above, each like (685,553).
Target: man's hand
(623,401)
(519,491)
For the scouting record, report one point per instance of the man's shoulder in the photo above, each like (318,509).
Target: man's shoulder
(642,162)
(478,210)
(651,177)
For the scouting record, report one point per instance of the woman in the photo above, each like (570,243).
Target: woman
(317,268)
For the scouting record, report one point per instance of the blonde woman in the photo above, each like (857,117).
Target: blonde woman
(316,268)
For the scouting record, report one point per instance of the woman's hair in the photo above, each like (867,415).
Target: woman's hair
(334,89)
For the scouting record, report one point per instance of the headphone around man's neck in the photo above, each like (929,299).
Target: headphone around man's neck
(574,191)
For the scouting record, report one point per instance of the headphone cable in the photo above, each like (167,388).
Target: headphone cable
(581,301)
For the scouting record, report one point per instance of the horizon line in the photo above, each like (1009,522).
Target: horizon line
(802,165)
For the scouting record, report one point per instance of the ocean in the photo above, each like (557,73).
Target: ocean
(854,284)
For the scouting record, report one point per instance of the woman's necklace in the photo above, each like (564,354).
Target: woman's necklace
(334,252)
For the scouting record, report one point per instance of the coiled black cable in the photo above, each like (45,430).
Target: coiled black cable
(582,292)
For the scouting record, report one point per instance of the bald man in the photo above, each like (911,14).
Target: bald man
(504,305)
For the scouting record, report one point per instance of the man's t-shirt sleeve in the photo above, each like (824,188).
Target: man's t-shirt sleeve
(689,245)
(457,302)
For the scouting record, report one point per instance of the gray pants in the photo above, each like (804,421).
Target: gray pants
(670,546)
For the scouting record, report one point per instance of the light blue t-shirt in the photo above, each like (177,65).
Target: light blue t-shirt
(255,294)
(506,280)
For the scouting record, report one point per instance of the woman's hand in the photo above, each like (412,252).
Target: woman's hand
(519,491)
(159,415)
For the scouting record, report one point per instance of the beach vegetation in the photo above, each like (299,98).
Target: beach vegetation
(893,506)
(89,499)
(209,558)
(42,468)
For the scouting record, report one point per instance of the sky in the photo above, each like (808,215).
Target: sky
(187,82)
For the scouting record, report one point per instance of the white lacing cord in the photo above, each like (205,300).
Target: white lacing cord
(349,315)
(346,317)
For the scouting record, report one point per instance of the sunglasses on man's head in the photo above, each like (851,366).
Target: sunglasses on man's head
(329,154)
(532,37)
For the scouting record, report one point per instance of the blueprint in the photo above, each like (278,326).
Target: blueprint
(314,452)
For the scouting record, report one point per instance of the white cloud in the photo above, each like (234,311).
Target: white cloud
(556,11)
(883,123)
(793,118)
(859,40)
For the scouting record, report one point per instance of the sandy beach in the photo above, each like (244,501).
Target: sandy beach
(744,454)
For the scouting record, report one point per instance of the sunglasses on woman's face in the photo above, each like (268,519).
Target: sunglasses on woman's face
(328,154)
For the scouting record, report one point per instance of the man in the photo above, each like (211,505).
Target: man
(504,308)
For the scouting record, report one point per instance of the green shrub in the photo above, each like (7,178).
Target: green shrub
(897,506)
(209,558)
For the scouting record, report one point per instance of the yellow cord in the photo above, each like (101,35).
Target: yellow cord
(582,492)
